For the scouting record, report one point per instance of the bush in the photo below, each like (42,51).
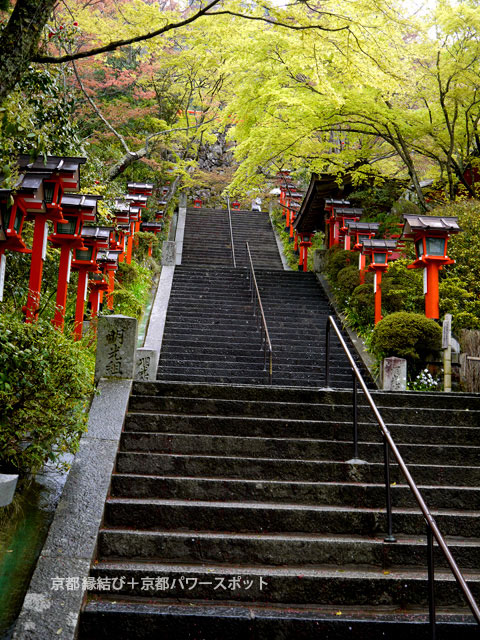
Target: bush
(402,288)
(406,335)
(126,303)
(360,309)
(348,279)
(128,273)
(45,382)
(337,259)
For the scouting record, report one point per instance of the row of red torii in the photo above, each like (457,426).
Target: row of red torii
(47,192)
(344,229)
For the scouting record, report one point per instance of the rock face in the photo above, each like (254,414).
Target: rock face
(216,156)
(216,162)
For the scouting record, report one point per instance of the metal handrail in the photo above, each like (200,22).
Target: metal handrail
(231,232)
(256,299)
(389,443)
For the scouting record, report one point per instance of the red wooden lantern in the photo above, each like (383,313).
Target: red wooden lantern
(152,227)
(107,261)
(12,217)
(380,251)
(430,235)
(77,209)
(59,175)
(331,227)
(197,203)
(85,262)
(236,204)
(305,244)
(141,188)
(358,232)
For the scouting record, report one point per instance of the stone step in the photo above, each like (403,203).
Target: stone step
(296,470)
(312,411)
(295,585)
(354,494)
(133,617)
(294,448)
(412,399)
(280,517)
(230,378)
(278,427)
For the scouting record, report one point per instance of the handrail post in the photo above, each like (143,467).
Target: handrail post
(327,353)
(355,417)
(431,584)
(388,491)
(231,232)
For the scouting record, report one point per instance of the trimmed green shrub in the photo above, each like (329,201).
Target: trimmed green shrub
(45,383)
(338,259)
(406,335)
(360,309)
(348,279)
(402,288)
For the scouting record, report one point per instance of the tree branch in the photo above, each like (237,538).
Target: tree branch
(121,43)
(275,23)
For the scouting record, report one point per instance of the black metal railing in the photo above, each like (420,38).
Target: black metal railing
(257,306)
(433,531)
(231,232)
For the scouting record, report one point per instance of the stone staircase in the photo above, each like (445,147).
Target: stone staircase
(211,333)
(233,513)
(207,239)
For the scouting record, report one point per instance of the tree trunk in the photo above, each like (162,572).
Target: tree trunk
(19,40)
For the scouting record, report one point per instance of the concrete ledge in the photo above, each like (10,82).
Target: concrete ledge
(182,215)
(70,546)
(286,266)
(8,484)
(365,357)
(158,315)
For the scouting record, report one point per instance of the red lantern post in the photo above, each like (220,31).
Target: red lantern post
(85,262)
(58,175)
(77,210)
(380,251)
(12,217)
(430,235)
(358,232)
(305,244)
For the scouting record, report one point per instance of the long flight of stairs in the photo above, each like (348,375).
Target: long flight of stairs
(235,509)
(211,333)
(234,512)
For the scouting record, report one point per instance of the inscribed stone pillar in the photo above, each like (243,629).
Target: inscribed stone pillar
(146,363)
(116,345)
(394,374)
